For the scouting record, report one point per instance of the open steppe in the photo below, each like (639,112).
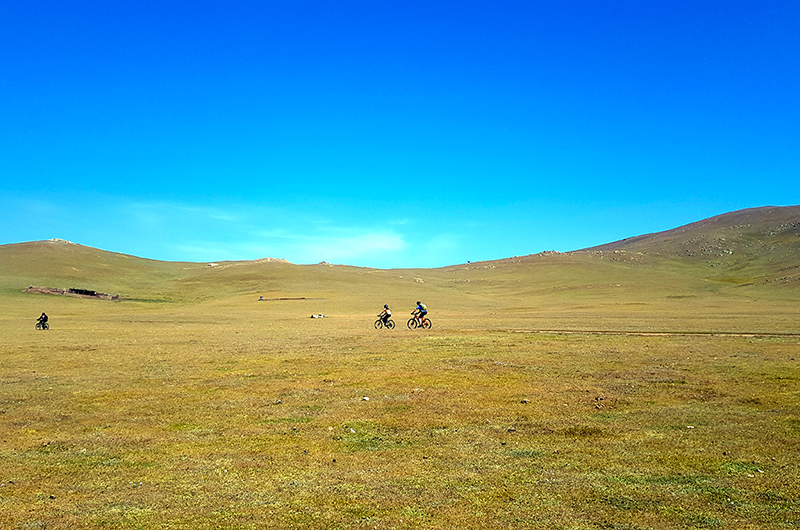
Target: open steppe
(648,383)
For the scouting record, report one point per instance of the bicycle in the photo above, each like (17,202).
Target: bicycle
(413,324)
(42,325)
(380,323)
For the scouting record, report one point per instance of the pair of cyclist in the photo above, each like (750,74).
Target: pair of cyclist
(420,311)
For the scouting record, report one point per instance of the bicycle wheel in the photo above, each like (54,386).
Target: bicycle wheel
(378,324)
(46,326)
(426,324)
(390,324)
(412,323)
(38,325)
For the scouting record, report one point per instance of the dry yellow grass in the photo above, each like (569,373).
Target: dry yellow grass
(245,414)
(551,393)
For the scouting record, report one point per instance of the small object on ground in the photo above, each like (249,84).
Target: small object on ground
(318,316)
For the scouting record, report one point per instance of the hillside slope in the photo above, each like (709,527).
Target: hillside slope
(755,250)
(739,272)
(62,264)
(752,246)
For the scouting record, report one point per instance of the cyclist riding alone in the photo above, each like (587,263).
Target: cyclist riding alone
(385,314)
(420,311)
(42,319)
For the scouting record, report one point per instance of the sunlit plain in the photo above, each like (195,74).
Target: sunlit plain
(603,389)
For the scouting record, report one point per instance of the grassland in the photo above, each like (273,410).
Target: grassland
(582,391)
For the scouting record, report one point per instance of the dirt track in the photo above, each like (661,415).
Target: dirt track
(651,333)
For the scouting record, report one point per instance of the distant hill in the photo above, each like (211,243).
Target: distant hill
(759,245)
(62,265)
(753,231)
(57,263)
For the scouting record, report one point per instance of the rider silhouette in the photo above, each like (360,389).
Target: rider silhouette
(385,314)
(420,311)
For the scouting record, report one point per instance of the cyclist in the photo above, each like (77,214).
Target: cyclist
(385,314)
(42,319)
(420,311)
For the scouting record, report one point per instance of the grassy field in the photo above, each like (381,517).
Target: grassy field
(573,392)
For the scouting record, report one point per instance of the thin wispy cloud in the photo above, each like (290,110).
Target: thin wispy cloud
(159,213)
(252,232)
(296,247)
(355,247)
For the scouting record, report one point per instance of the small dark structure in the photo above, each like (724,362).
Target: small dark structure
(82,292)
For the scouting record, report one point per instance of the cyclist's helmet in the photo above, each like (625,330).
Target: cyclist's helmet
(386,306)
(417,302)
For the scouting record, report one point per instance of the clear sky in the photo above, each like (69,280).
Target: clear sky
(390,134)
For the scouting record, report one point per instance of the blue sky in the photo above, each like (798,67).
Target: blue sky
(390,134)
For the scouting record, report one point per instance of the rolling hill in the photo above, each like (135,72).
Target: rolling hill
(752,247)
(749,260)
(759,245)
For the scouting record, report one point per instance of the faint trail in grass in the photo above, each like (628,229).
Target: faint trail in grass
(645,333)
